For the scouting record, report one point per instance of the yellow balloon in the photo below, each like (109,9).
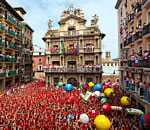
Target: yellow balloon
(125,101)
(109,92)
(102,122)
(90,84)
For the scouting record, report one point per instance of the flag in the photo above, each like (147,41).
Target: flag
(77,49)
(63,48)
(66,48)
(74,50)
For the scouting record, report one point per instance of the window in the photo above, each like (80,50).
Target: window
(140,50)
(40,60)
(148,47)
(132,28)
(148,80)
(148,17)
(103,64)
(139,22)
(107,64)
(121,12)
(132,51)
(111,64)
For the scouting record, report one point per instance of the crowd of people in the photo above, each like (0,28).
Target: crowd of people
(34,106)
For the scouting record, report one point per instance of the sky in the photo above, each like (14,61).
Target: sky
(40,11)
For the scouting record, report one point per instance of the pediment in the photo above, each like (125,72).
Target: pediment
(63,21)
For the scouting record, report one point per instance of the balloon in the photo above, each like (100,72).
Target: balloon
(142,119)
(84,118)
(90,84)
(94,113)
(102,95)
(60,84)
(68,87)
(96,94)
(125,101)
(105,86)
(97,87)
(102,122)
(107,108)
(108,92)
(70,99)
(103,101)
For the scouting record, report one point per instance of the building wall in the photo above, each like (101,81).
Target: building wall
(36,62)
(80,34)
(127,43)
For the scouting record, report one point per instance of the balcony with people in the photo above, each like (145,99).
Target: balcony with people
(146,30)
(138,9)
(74,68)
(2,73)
(55,50)
(139,88)
(89,48)
(2,28)
(130,17)
(138,35)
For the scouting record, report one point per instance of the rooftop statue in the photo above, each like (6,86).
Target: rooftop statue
(50,24)
(94,21)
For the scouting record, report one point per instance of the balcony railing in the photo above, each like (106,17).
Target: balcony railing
(131,39)
(19,49)
(10,32)
(125,43)
(11,19)
(19,37)
(2,43)
(2,28)
(146,29)
(138,9)
(138,35)
(19,26)
(126,23)
(70,51)
(20,60)
(2,59)
(88,50)
(145,63)
(131,18)
(11,73)
(11,60)
(12,46)
(2,74)
(55,51)
(90,69)
(20,71)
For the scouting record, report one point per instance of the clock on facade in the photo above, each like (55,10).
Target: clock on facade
(71,22)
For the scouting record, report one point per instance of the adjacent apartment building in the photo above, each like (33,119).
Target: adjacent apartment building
(11,45)
(134,50)
(73,51)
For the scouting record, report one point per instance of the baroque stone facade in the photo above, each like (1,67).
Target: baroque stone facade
(73,52)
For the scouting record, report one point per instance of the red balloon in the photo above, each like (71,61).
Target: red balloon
(85,86)
(70,99)
(107,108)
(94,113)
(105,86)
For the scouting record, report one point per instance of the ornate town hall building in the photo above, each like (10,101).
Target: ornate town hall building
(73,52)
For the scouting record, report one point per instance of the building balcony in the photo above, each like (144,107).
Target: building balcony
(12,46)
(11,73)
(131,39)
(145,63)
(19,49)
(20,72)
(2,74)
(146,31)
(138,36)
(20,26)
(2,43)
(2,28)
(145,3)
(65,69)
(126,24)
(13,21)
(125,43)
(12,33)
(138,10)
(124,63)
(89,50)
(11,60)
(55,51)
(131,18)
(70,51)
(20,60)
(19,37)
(2,59)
